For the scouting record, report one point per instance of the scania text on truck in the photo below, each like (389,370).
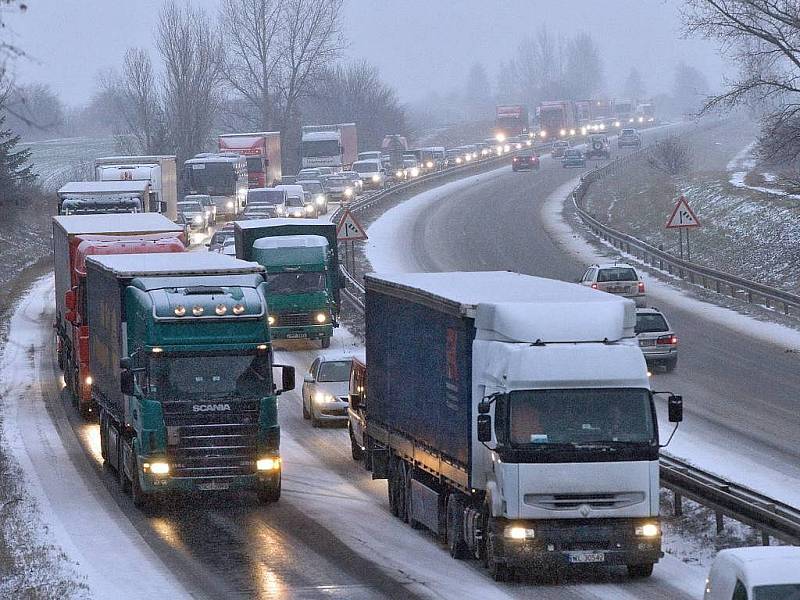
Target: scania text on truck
(303,279)
(160,171)
(511,120)
(180,352)
(99,197)
(334,146)
(74,238)
(262,151)
(222,176)
(512,415)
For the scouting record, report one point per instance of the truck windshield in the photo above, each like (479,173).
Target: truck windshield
(581,416)
(255,164)
(366,167)
(191,376)
(213,179)
(296,283)
(319,148)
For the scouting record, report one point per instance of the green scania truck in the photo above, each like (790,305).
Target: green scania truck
(180,351)
(303,278)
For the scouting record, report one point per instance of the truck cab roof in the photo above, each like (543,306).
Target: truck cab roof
(291,241)
(103,187)
(177,264)
(113,224)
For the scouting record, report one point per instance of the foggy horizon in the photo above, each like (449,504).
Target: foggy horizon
(628,33)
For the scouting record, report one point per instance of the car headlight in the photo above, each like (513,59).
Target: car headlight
(348,191)
(279,210)
(647,530)
(414,172)
(543,133)
(321,317)
(309,208)
(376,178)
(429,164)
(320,199)
(197,219)
(458,160)
(516,532)
(229,204)
(323,398)
(616,123)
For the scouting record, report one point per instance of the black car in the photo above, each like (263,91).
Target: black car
(525,162)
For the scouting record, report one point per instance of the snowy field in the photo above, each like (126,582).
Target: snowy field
(67,159)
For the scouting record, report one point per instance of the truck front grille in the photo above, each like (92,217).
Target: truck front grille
(294,320)
(214,443)
(604,501)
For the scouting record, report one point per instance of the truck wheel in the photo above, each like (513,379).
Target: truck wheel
(103,438)
(270,493)
(454,527)
(61,361)
(86,412)
(141,499)
(124,482)
(325,342)
(355,449)
(638,571)
(497,570)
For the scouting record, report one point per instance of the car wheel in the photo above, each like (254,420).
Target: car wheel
(325,342)
(355,450)
(670,364)
(306,414)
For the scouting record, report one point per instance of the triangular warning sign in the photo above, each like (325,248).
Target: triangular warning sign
(349,229)
(682,215)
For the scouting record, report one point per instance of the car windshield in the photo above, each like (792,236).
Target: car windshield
(294,201)
(208,376)
(628,132)
(350,175)
(272,197)
(782,591)
(189,207)
(581,416)
(650,323)
(334,370)
(315,187)
(295,283)
(575,153)
(616,274)
(365,167)
(307,174)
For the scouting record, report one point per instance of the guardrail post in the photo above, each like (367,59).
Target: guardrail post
(678,505)
(749,297)
(764,538)
(720,521)
(719,287)
(766,302)
(786,308)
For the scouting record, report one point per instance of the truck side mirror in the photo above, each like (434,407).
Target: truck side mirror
(483,407)
(355,401)
(287,379)
(675,408)
(126,382)
(484,427)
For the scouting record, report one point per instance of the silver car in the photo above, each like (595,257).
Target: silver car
(617,278)
(326,389)
(657,340)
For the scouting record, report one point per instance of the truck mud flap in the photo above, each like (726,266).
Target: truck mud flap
(378,458)
(425,505)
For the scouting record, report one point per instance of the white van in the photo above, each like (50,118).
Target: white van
(756,573)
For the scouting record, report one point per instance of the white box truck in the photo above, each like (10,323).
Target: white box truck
(160,171)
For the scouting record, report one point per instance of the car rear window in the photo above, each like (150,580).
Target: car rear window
(650,323)
(616,274)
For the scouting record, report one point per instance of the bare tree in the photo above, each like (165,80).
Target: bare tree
(478,93)
(670,156)
(34,110)
(311,40)
(690,89)
(250,30)
(634,85)
(583,70)
(538,67)
(192,55)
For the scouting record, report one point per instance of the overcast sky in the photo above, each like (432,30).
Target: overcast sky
(419,45)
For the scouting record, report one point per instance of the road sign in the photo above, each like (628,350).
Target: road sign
(682,215)
(349,229)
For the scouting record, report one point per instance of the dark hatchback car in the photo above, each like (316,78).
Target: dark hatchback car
(525,162)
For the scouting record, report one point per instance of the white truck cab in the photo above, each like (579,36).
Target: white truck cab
(757,573)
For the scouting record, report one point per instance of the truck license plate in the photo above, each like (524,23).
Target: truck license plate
(296,336)
(214,486)
(586,557)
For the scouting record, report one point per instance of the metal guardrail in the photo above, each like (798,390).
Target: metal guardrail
(710,279)
(770,517)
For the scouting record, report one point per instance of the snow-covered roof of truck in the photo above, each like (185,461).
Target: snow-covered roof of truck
(518,308)
(182,263)
(315,136)
(261,223)
(132,160)
(290,241)
(251,134)
(95,187)
(116,223)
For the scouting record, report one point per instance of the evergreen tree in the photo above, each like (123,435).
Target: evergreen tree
(16,171)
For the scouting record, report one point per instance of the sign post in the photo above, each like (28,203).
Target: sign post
(683,217)
(348,231)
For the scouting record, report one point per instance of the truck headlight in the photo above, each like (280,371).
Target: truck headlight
(321,317)
(458,160)
(156,468)
(348,191)
(376,178)
(647,530)
(616,123)
(268,464)
(429,164)
(320,199)
(309,208)
(271,320)
(279,210)
(414,172)
(516,532)
(198,219)
(88,380)
(230,204)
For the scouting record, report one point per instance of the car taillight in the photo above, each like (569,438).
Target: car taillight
(594,286)
(667,340)
(641,287)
